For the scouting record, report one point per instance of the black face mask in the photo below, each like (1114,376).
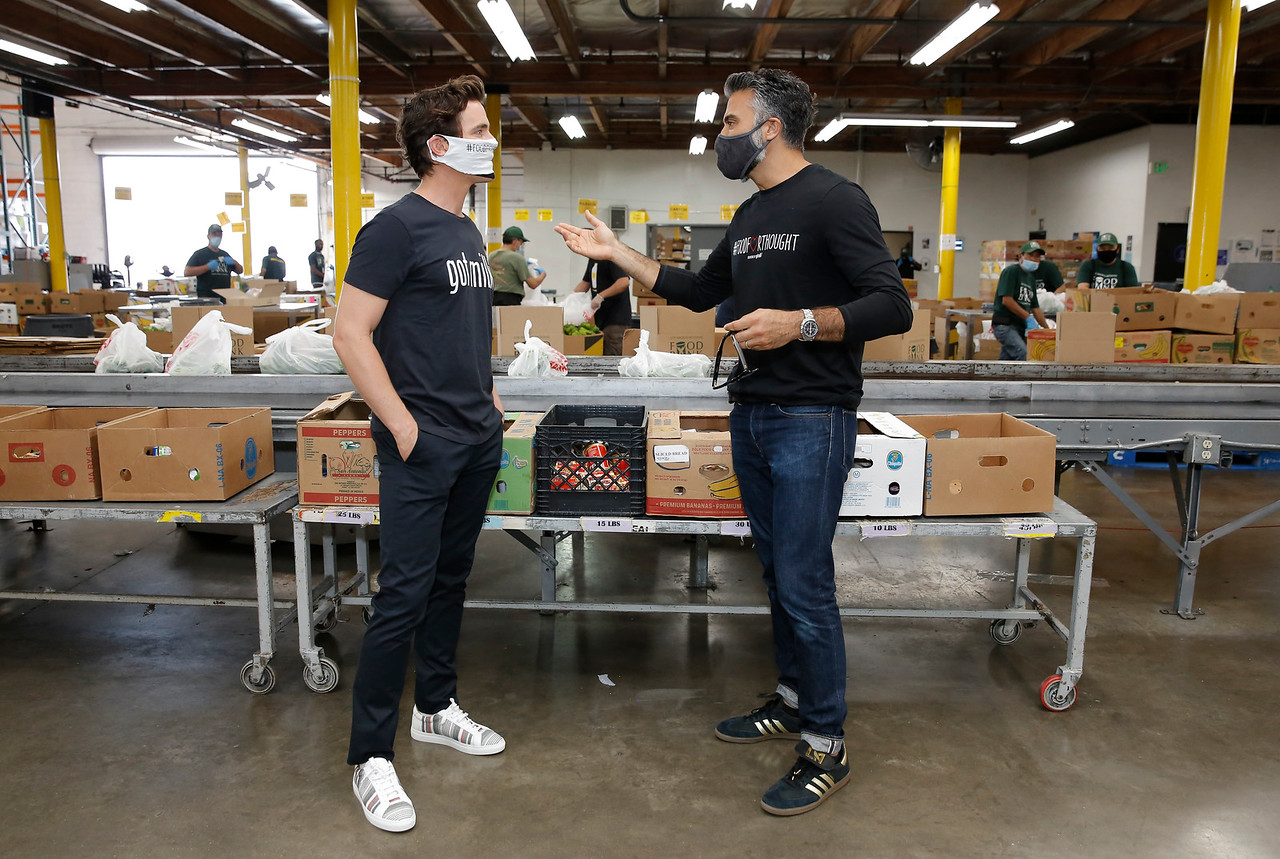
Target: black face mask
(1108,257)
(736,155)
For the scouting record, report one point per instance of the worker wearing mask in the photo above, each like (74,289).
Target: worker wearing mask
(1017,307)
(1108,271)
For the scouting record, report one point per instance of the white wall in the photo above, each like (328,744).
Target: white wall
(1100,186)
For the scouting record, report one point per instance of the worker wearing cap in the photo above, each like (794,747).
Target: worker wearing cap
(211,266)
(272,265)
(510,270)
(1016,303)
(1108,271)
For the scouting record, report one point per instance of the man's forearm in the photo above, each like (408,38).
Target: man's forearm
(637,266)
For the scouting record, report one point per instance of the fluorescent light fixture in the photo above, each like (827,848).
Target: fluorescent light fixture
(197,144)
(912,120)
(505,26)
(263,130)
(1250,5)
(706,109)
(739,4)
(364,116)
(1060,125)
(964,26)
(31,53)
(127,5)
(697,145)
(572,127)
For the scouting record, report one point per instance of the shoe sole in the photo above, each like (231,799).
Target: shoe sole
(759,738)
(385,825)
(791,812)
(439,740)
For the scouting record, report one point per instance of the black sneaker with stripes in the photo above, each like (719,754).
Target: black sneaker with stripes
(813,778)
(774,720)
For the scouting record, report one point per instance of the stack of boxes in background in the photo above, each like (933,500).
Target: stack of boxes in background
(21,300)
(1066,254)
(1258,328)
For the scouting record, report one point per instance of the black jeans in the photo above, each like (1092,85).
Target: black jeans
(432,510)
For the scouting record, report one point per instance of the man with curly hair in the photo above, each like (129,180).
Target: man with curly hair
(413,331)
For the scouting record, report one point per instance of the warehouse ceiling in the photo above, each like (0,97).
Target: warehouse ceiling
(631,70)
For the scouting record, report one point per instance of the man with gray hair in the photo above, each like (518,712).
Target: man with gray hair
(811,281)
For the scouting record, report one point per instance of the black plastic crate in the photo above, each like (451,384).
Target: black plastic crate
(590,470)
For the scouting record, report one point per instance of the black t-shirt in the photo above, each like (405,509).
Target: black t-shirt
(616,309)
(434,336)
(273,268)
(316,259)
(209,281)
(811,241)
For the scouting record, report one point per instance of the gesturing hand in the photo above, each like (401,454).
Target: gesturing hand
(597,243)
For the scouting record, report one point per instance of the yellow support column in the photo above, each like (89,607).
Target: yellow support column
(493,192)
(950,203)
(344,131)
(53,205)
(247,262)
(1213,127)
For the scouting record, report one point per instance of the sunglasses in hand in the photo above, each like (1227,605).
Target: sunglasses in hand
(740,371)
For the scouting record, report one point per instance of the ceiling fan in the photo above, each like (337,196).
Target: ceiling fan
(263,180)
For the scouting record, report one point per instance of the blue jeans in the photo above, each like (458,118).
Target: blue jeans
(1013,344)
(432,510)
(792,462)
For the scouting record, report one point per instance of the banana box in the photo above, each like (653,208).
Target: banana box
(1143,347)
(690,466)
(887,478)
(514,486)
(1258,346)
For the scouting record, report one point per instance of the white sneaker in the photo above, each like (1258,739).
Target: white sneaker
(453,727)
(383,799)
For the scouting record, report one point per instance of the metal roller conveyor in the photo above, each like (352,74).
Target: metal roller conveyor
(1199,415)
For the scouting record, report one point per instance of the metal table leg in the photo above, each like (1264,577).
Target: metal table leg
(698,562)
(256,675)
(1059,691)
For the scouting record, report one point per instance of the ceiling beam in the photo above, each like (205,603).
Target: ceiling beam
(1070,39)
(68,34)
(257,31)
(862,39)
(563,30)
(459,32)
(1149,49)
(766,34)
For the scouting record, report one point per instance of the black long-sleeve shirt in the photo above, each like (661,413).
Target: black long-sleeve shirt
(811,241)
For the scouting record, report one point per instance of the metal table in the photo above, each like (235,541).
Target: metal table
(320,602)
(255,506)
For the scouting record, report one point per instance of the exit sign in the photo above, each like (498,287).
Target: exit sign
(1160,167)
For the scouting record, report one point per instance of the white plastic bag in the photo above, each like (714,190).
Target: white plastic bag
(1215,288)
(536,357)
(125,351)
(577,308)
(533,297)
(206,350)
(301,350)
(1049,302)
(647,363)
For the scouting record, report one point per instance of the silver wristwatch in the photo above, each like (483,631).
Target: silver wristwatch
(809,327)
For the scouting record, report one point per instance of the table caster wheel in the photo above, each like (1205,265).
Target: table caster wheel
(329,622)
(1005,632)
(367,614)
(265,683)
(327,680)
(1054,695)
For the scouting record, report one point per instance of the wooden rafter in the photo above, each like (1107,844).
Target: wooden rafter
(767,33)
(1069,39)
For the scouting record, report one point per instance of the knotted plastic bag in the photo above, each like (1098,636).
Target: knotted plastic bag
(648,363)
(126,351)
(577,308)
(536,358)
(206,350)
(301,350)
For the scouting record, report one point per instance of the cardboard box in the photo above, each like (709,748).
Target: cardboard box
(911,285)
(1211,314)
(52,454)
(1143,347)
(988,349)
(9,411)
(985,464)
(515,484)
(1258,346)
(73,302)
(1086,338)
(1202,349)
(689,470)
(10,330)
(1135,309)
(264,293)
(641,291)
(185,454)
(11,291)
(1042,345)
(337,457)
(548,325)
(911,346)
(583,344)
(676,330)
(8,313)
(651,302)
(965,303)
(1258,310)
(185,318)
(887,478)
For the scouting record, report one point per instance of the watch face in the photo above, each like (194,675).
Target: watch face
(809,329)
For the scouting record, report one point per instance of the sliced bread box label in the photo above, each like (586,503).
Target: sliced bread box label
(690,466)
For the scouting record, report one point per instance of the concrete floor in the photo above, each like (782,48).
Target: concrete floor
(127,733)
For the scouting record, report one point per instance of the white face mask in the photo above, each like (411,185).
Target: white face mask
(468,155)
